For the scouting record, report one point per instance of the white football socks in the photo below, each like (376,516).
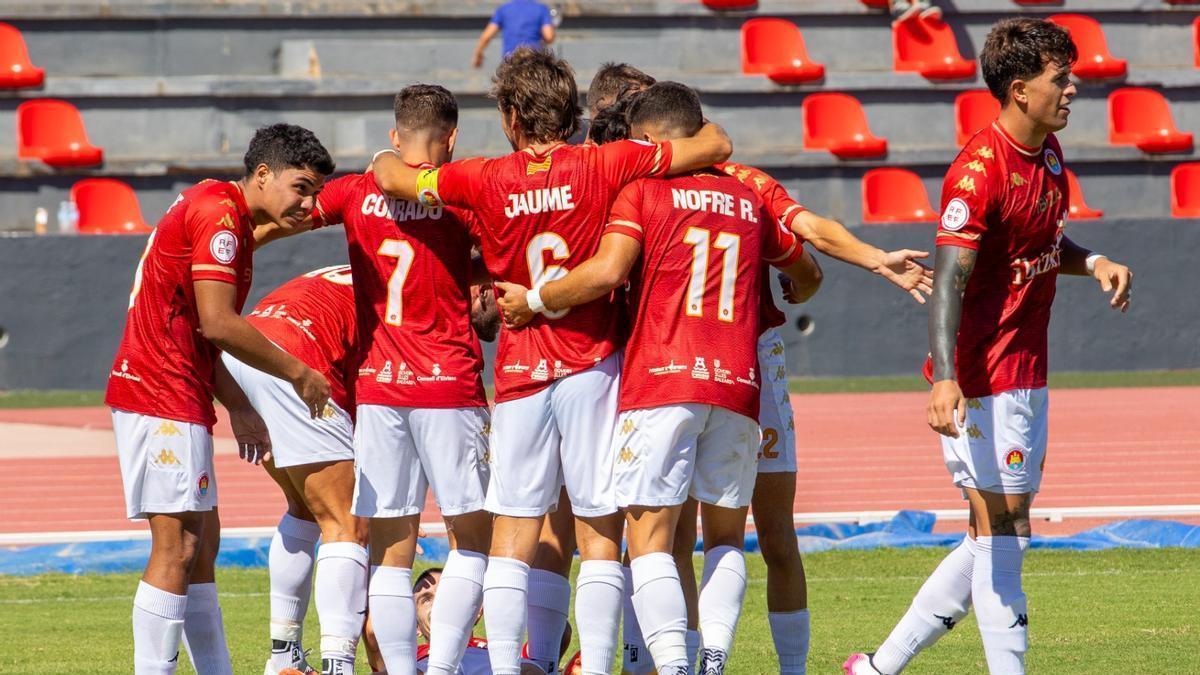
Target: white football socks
(157,627)
(661,609)
(391,602)
(1000,606)
(790,631)
(943,601)
(634,657)
(290,566)
(722,588)
(505,586)
(204,632)
(549,602)
(452,618)
(341,598)
(599,592)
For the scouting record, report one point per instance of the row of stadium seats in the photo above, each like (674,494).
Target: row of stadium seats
(883,4)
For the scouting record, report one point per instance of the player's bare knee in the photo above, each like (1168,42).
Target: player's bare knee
(779,549)
(472,531)
(1013,523)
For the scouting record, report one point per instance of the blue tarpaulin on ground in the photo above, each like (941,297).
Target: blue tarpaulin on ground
(907,529)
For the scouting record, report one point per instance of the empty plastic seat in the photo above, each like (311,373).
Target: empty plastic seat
(1196,40)
(107,206)
(52,131)
(837,123)
(1142,117)
(1094,61)
(775,48)
(729,4)
(895,196)
(1077,207)
(1038,2)
(1185,190)
(927,46)
(973,110)
(877,4)
(15,68)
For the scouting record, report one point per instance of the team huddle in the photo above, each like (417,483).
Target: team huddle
(640,380)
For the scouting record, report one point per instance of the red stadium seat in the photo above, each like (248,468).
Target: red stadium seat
(107,206)
(1185,190)
(895,196)
(1196,40)
(1095,61)
(877,4)
(928,47)
(52,131)
(1142,117)
(775,48)
(973,110)
(1078,208)
(1038,2)
(729,4)
(837,123)
(15,68)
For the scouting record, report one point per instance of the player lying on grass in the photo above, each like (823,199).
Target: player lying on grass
(541,210)
(1000,248)
(185,306)
(312,459)
(688,399)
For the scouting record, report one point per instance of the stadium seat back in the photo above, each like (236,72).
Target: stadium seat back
(52,131)
(107,206)
(891,195)
(16,70)
(729,4)
(1077,207)
(973,110)
(1196,41)
(928,47)
(775,48)
(836,122)
(1142,117)
(1094,61)
(1185,190)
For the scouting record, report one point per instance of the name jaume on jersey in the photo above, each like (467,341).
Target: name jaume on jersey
(541,200)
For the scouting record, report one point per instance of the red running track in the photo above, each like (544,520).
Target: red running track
(857,452)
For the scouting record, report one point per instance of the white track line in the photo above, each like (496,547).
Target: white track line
(1052,514)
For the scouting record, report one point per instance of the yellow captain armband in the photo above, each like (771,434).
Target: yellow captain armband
(427,193)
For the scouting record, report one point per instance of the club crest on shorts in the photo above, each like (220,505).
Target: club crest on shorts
(1014,460)
(202,485)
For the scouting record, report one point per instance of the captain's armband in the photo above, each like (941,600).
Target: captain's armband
(427,192)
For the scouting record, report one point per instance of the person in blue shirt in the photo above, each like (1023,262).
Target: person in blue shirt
(521,23)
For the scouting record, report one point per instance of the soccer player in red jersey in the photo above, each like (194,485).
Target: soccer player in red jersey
(689,401)
(541,210)
(311,317)
(1000,249)
(187,295)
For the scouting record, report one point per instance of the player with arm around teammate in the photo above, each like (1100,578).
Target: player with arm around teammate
(1000,248)
(185,305)
(688,400)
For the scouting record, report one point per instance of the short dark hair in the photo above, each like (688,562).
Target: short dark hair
(612,122)
(540,87)
(426,106)
(426,575)
(670,104)
(1018,49)
(284,146)
(611,80)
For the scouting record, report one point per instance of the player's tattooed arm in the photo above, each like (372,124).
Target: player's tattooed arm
(711,145)
(1113,277)
(953,265)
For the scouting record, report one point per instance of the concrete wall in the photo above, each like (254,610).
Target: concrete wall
(62,304)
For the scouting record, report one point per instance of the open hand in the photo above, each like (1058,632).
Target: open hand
(254,443)
(902,269)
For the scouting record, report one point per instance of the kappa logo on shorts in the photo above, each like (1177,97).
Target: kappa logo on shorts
(327,412)
(167,428)
(166,457)
(974,433)
(974,404)
(777,349)
(627,427)
(1014,460)
(625,456)
(202,485)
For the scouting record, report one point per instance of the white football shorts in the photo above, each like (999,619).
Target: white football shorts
(400,453)
(1002,448)
(666,453)
(296,438)
(166,465)
(777,453)
(559,435)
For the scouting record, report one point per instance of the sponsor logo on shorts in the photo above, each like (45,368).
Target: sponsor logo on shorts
(385,375)
(1015,460)
(202,485)
(541,373)
(721,374)
(1052,162)
(166,457)
(327,412)
(517,367)
(167,428)
(781,373)
(700,369)
(669,369)
(625,456)
(974,404)
(435,375)
(750,379)
(123,372)
(560,371)
(627,426)
(777,349)
(974,433)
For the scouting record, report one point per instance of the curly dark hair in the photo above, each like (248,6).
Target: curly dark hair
(540,87)
(1018,49)
(426,106)
(612,122)
(611,81)
(283,146)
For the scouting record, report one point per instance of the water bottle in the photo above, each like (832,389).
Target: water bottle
(68,217)
(41,218)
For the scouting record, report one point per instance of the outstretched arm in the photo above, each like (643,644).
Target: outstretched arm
(710,145)
(1113,277)
(947,409)
(491,31)
(265,234)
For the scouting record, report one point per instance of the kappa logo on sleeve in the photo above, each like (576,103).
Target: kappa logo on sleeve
(223,247)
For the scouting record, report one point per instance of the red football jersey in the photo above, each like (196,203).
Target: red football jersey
(311,317)
(782,208)
(1009,202)
(412,272)
(539,216)
(164,367)
(697,290)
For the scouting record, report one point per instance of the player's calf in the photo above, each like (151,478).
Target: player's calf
(787,592)
(456,605)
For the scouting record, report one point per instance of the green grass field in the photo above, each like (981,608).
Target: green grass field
(1120,611)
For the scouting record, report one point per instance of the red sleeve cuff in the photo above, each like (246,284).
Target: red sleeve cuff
(961,239)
